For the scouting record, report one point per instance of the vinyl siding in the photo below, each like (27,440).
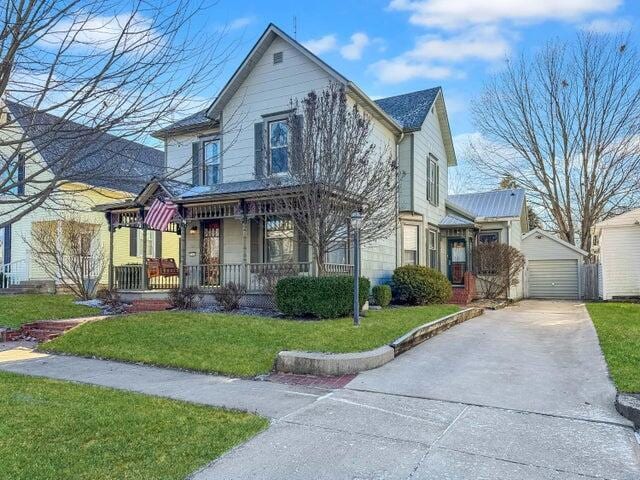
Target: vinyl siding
(620,258)
(267,89)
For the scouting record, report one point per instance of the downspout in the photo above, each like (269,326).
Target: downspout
(397,214)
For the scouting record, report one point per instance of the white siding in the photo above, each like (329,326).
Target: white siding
(620,258)
(179,152)
(429,141)
(267,89)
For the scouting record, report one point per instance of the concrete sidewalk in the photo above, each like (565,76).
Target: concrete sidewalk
(272,400)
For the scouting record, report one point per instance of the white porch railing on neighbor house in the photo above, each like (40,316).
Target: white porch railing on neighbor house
(256,277)
(13,273)
(338,269)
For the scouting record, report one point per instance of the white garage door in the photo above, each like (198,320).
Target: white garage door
(553,279)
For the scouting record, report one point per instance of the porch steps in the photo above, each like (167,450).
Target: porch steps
(42,331)
(152,305)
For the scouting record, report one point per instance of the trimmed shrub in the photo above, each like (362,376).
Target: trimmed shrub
(418,285)
(319,297)
(381,295)
(230,295)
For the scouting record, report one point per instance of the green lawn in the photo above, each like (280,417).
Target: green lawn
(18,309)
(58,430)
(618,326)
(233,344)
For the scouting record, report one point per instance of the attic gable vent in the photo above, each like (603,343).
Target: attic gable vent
(277,57)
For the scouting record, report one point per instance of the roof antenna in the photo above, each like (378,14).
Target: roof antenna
(295,27)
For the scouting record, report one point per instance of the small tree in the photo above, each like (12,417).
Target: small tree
(497,266)
(70,252)
(335,169)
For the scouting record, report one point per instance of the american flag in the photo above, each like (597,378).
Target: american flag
(160,214)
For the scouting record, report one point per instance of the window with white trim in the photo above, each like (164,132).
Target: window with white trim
(410,245)
(278,146)
(211,161)
(279,240)
(434,258)
(151,243)
(433,180)
(492,236)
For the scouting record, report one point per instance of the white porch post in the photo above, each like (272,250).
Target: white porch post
(183,254)
(245,249)
(110,273)
(144,251)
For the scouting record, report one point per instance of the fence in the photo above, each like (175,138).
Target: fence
(590,281)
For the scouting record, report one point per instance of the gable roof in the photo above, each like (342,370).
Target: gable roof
(452,220)
(401,113)
(506,203)
(193,122)
(550,236)
(271,33)
(410,109)
(631,217)
(115,163)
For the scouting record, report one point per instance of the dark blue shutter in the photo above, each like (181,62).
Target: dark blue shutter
(21,174)
(295,149)
(196,168)
(258,138)
(158,244)
(7,245)
(133,242)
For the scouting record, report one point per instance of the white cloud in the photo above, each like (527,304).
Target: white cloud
(322,45)
(130,31)
(607,25)
(484,43)
(240,22)
(400,70)
(353,50)
(460,13)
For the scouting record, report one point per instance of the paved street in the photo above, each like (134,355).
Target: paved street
(520,393)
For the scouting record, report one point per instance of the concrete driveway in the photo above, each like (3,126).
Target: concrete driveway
(521,393)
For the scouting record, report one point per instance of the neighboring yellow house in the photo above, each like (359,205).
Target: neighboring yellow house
(128,166)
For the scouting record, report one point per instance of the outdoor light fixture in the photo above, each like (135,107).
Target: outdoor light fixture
(193,230)
(356,223)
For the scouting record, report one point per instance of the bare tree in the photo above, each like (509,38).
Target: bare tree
(90,63)
(565,125)
(498,267)
(70,252)
(335,169)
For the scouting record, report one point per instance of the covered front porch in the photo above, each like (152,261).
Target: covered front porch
(240,237)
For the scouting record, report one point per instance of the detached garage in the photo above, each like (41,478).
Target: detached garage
(553,266)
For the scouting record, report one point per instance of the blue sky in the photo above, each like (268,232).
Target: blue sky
(396,46)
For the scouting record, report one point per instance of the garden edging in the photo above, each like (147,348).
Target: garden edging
(334,364)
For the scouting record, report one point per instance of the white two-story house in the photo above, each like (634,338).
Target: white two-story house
(227,227)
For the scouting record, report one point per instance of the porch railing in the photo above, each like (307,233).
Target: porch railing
(256,277)
(13,273)
(337,269)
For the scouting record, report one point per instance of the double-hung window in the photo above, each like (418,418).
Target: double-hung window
(279,240)
(211,161)
(278,131)
(151,243)
(433,180)
(12,175)
(410,245)
(434,259)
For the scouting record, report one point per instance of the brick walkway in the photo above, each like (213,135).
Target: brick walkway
(311,380)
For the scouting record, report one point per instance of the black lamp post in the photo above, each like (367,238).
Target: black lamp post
(356,223)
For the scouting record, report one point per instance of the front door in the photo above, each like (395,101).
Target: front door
(456,260)
(210,253)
